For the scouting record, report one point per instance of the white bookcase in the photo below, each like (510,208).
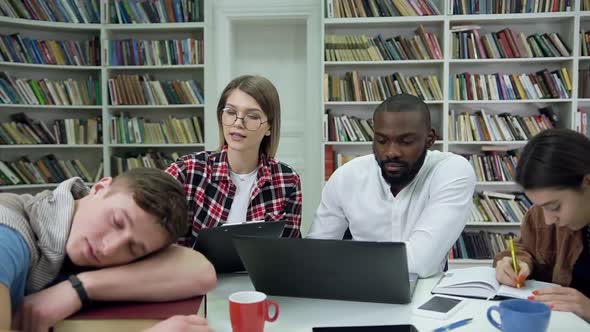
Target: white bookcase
(567,24)
(92,155)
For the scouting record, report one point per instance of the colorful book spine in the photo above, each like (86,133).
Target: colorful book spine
(135,130)
(122,163)
(15,48)
(494,166)
(46,170)
(476,7)
(132,52)
(354,87)
(422,46)
(155,11)
(144,90)
(24,130)
(377,8)
(469,43)
(48,92)
(480,245)
(543,84)
(343,128)
(68,11)
(481,126)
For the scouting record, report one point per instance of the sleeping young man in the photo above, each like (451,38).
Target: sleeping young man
(116,239)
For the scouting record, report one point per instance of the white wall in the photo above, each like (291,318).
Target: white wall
(277,50)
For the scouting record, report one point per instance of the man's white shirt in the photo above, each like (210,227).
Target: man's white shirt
(428,214)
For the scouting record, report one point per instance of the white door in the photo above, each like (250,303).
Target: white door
(283,46)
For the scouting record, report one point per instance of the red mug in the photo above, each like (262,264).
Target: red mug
(249,310)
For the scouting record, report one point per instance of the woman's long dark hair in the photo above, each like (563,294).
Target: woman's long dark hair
(555,158)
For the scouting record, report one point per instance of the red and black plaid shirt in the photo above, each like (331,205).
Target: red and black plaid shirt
(210,191)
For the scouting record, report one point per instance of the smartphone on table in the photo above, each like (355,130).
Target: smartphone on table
(439,307)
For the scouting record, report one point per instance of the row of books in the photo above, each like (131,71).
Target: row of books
(480,245)
(494,165)
(48,92)
(474,7)
(47,169)
(581,122)
(584,82)
(72,11)
(134,130)
(423,46)
(469,44)
(480,126)
(540,85)
(344,128)
(155,11)
(585,5)
(24,130)
(354,87)
(122,163)
(143,90)
(584,42)
(380,8)
(15,48)
(499,207)
(334,159)
(132,52)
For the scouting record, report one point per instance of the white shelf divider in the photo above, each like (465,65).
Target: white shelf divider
(162,67)
(162,107)
(47,67)
(492,224)
(47,25)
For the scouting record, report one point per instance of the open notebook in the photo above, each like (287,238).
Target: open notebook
(480,282)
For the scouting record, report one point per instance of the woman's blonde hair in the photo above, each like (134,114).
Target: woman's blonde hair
(266,95)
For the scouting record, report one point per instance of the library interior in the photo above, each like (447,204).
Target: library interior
(316,198)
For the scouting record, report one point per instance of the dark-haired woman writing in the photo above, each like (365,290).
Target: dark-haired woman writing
(554,244)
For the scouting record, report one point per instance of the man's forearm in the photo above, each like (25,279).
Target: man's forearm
(172,274)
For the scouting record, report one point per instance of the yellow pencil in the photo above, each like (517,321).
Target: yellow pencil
(514,263)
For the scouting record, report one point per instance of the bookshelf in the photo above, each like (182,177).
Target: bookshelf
(120,45)
(567,24)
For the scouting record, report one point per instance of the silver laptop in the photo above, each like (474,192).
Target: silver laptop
(328,269)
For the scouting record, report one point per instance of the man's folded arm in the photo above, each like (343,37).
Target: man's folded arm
(443,220)
(174,273)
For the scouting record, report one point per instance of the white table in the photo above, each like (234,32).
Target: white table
(301,314)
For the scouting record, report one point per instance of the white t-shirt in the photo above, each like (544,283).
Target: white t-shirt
(239,207)
(428,214)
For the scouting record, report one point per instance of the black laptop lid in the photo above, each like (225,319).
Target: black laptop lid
(328,269)
(216,243)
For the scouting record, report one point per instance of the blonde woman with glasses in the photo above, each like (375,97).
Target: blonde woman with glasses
(242,181)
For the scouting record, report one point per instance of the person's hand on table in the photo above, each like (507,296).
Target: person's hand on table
(41,311)
(564,299)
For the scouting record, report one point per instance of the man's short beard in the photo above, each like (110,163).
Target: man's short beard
(404,177)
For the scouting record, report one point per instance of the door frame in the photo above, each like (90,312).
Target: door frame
(225,14)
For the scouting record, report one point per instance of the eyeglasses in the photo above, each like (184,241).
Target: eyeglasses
(251,121)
